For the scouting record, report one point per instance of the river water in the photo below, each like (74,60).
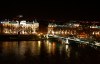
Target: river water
(46,52)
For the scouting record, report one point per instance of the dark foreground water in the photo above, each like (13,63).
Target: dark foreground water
(45,52)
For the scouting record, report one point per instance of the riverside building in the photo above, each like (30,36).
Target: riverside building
(22,27)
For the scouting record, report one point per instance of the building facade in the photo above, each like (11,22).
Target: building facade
(81,29)
(22,27)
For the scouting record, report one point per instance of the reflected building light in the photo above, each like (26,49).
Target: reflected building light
(61,48)
(5,48)
(53,48)
(66,47)
(8,47)
(15,48)
(47,42)
(22,49)
(35,47)
(53,44)
(68,51)
(49,48)
(39,44)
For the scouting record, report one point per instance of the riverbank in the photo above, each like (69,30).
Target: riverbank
(19,37)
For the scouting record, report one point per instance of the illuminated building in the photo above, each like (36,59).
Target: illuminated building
(13,27)
(82,29)
(63,29)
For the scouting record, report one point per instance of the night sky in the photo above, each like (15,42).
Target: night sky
(57,10)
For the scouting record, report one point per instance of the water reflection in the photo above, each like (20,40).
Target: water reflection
(30,47)
(22,48)
(50,47)
(35,48)
(46,52)
(10,48)
(68,49)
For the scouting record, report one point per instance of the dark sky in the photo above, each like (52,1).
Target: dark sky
(51,10)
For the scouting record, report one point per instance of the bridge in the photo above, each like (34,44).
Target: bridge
(65,40)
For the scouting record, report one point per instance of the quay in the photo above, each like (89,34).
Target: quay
(21,37)
(74,41)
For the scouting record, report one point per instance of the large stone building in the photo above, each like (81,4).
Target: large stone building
(22,27)
(82,29)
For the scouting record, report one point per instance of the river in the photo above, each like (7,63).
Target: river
(46,52)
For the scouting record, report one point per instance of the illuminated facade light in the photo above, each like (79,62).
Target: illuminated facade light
(93,26)
(93,33)
(57,32)
(97,33)
(62,32)
(76,25)
(13,27)
(53,32)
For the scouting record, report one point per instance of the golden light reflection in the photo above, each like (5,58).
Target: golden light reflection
(35,47)
(22,48)
(49,48)
(39,44)
(68,50)
(6,47)
(47,42)
(29,47)
(9,47)
(53,48)
(60,49)
(66,47)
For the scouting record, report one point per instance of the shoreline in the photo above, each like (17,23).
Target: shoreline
(8,37)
